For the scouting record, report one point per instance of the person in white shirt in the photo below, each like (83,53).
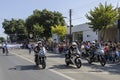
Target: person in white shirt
(39,50)
(3,47)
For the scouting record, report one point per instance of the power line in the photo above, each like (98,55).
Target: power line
(80,8)
(78,18)
(1,19)
(84,7)
(77,13)
(86,4)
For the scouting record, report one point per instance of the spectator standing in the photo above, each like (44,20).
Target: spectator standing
(30,47)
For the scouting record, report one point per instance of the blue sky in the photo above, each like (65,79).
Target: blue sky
(23,8)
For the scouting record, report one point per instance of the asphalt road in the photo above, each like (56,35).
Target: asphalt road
(15,68)
(20,66)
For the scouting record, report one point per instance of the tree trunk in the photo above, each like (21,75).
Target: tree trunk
(102,35)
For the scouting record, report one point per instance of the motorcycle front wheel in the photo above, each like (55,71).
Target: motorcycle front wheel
(102,61)
(67,58)
(37,64)
(67,62)
(89,60)
(78,62)
(44,65)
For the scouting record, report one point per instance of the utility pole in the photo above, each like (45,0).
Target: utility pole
(70,25)
(118,21)
(70,14)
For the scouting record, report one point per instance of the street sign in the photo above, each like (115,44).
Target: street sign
(31,35)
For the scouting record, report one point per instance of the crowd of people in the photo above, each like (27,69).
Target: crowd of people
(111,49)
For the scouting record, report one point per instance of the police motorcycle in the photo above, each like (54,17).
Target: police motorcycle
(40,57)
(86,53)
(73,57)
(97,55)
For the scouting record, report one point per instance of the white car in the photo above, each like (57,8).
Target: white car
(0,46)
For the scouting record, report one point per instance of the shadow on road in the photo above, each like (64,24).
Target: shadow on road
(56,56)
(62,67)
(111,68)
(26,67)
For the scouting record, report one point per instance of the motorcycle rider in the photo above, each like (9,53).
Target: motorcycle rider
(85,47)
(3,47)
(96,48)
(39,50)
(93,48)
(73,47)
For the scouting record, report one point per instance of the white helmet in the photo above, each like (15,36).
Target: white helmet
(74,43)
(39,42)
(93,42)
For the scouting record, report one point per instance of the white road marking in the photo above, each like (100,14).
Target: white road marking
(23,57)
(54,71)
(63,75)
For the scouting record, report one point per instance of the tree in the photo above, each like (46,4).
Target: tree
(46,19)
(102,17)
(119,12)
(59,30)
(15,29)
(2,39)
(38,30)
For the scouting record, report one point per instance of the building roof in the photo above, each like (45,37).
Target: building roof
(81,27)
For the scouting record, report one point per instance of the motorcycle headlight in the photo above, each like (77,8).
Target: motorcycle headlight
(102,51)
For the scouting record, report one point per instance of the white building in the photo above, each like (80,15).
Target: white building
(82,32)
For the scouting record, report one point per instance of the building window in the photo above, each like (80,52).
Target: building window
(88,35)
